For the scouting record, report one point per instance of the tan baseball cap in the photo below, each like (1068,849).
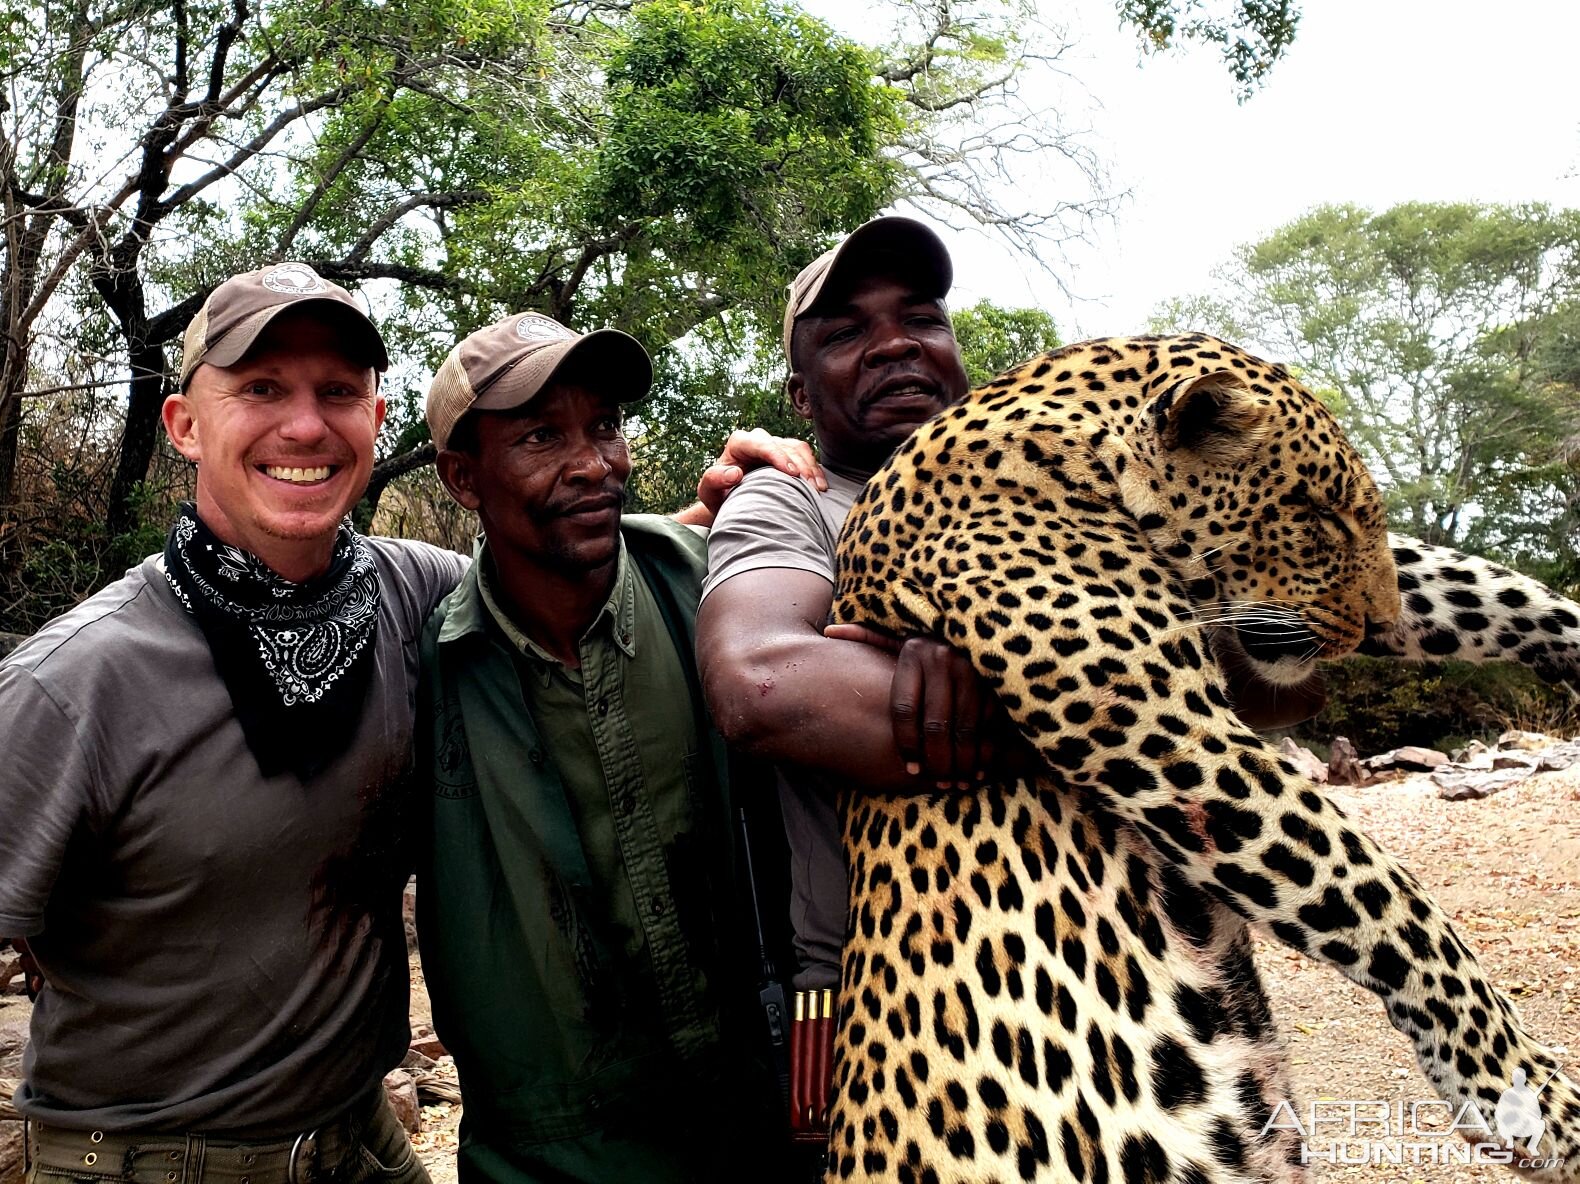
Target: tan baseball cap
(240,309)
(509,362)
(920,251)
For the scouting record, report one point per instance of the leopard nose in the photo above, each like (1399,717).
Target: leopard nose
(1378,625)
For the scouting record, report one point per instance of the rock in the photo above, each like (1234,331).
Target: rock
(11,1153)
(416,1060)
(13,1042)
(1529,741)
(13,1037)
(1344,768)
(1458,785)
(1305,761)
(1469,753)
(1411,757)
(1563,757)
(402,1093)
(1408,757)
(428,1045)
(1515,760)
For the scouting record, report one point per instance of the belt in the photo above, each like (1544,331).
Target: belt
(152,1158)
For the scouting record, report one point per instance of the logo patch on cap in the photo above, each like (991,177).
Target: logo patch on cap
(532,327)
(293,279)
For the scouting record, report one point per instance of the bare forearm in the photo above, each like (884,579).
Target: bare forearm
(696,514)
(812,702)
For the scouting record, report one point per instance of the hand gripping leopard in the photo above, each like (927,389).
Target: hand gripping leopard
(1053,980)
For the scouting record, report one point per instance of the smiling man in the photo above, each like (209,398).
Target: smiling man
(582,925)
(202,835)
(204,778)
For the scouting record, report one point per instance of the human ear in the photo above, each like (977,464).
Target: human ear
(457,472)
(795,387)
(181,425)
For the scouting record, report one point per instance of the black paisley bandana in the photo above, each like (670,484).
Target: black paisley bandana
(296,658)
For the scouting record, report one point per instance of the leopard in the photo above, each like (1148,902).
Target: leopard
(1470,609)
(1051,977)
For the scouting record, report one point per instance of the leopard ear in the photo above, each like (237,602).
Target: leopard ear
(1216,415)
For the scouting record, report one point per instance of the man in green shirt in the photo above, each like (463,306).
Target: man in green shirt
(581,914)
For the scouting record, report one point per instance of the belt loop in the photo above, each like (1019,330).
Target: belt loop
(27,1147)
(192,1163)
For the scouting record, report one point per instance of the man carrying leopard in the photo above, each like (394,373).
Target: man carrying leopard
(751,674)
(1052,979)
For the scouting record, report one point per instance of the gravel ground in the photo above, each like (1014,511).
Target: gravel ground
(1507,870)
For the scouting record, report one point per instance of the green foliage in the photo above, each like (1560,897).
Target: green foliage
(1252,34)
(722,378)
(663,166)
(1200,314)
(728,376)
(992,339)
(1381,704)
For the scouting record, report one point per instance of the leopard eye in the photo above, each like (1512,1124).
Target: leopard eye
(1334,526)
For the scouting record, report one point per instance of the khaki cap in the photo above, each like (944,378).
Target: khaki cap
(921,251)
(237,311)
(509,362)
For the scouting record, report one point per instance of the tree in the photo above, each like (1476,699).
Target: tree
(1252,34)
(1438,333)
(992,339)
(464,162)
(663,165)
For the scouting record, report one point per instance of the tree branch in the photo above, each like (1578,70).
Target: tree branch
(340,269)
(349,154)
(402,463)
(254,146)
(437,201)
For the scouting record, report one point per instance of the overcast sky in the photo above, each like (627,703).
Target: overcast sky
(1378,102)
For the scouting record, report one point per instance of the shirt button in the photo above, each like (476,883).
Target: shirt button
(536,756)
(603,706)
(656,906)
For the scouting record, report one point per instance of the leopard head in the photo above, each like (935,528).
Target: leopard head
(1248,485)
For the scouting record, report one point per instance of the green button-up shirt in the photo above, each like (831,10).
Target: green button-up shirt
(625,747)
(580,912)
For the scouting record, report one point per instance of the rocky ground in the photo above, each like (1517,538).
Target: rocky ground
(1506,868)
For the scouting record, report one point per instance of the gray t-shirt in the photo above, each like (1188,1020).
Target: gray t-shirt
(225,951)
(776,521)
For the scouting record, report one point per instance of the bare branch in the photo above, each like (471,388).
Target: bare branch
(331,175)
(254,146)
(438,201)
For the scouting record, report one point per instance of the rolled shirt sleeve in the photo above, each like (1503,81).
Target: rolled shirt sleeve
(773,520)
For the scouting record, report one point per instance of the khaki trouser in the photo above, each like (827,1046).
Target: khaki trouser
(365,1145)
